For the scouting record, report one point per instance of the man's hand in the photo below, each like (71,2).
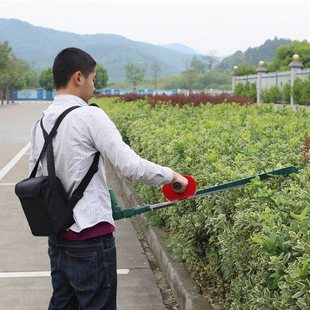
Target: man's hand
(180,182)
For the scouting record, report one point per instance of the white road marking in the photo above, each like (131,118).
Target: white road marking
(7,184)
(122,271)
(37,274)
(30,274)
(14,161)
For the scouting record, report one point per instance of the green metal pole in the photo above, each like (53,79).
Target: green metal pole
(119,213)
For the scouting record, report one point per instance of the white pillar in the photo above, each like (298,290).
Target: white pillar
(235,73)
(295,66)
(261,70)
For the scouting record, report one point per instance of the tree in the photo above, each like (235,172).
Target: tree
(19,69)
(198,65)
(101,77)
(155,69)
(246,69)
(173,82)
(13,71)
(210,80)
(134,74)
(32,80)
(189,76)
(46,79)
(5,51)
(193,68)
(215,80)
(211,59)
(285,53)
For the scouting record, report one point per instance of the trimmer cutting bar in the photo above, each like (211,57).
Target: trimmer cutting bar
(119,213)
(228,186)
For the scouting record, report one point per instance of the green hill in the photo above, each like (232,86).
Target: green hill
(38,46)
(252,56)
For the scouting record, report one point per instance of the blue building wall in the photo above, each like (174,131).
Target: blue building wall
(42,94)
(33,94)
(140,92)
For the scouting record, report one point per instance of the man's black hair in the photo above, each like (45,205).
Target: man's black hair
(69,61)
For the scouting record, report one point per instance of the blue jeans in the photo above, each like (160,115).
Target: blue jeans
(83,273)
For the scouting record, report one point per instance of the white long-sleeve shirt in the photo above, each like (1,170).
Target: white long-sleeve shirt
(82,133)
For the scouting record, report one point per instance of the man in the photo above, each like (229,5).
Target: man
(83,258)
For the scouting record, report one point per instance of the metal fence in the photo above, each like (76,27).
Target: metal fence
(264,80)
(278,78)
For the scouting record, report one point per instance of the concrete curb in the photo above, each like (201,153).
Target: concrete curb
(180,281)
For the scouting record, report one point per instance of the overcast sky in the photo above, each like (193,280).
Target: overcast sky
(221,25)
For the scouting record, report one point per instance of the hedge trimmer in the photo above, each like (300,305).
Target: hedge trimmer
(171,192)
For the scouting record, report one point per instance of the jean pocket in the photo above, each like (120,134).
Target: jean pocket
(83,270)
(107,268)
(54,254)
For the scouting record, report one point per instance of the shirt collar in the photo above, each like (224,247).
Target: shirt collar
(59,105)
(68,99)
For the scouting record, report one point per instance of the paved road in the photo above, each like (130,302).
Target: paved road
(24,266)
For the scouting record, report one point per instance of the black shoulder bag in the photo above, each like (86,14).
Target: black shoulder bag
(44,200)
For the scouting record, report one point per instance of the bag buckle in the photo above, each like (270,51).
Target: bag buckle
(78,195)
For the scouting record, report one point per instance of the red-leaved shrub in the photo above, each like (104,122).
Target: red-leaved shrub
(182,99)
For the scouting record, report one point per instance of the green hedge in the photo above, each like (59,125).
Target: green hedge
(247,90)
(276,94)
(301,91)
(247,248)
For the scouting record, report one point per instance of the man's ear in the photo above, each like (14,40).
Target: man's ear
(77,78)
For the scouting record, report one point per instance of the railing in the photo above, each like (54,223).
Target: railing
(266,80)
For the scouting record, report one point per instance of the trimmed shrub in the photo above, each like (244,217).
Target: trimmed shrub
(301,91)
(246,90)
(248,247)
(272,95)
(182,99)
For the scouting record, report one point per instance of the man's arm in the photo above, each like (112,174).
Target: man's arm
(108,141)
(33,154)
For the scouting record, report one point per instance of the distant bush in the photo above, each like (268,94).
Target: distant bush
(182,99)
(197,99)
(246,90)
(301,91)
(277,95)
(273,94)
(132,97)
(286,93)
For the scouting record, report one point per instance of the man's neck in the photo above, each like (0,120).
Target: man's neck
(66,91)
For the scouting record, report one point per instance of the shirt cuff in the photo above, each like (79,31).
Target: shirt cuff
(168,175)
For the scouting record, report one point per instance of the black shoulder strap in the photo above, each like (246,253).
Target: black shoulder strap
(50,160)
(50,137)
(79,191)
(94,105)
